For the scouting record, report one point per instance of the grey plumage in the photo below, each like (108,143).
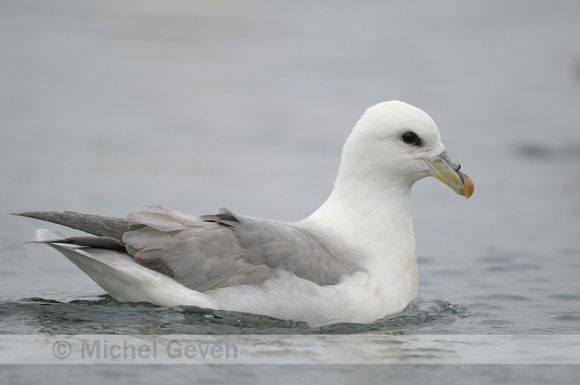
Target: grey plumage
(94,242)
(98,225)
(212,251)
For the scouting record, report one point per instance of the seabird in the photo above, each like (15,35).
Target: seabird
(352,260)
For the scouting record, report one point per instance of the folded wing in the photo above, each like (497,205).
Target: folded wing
(226,249)
(212,251)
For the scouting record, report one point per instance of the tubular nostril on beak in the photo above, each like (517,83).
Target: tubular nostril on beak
(452,164)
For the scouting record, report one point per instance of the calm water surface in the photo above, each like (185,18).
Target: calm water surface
(107,106)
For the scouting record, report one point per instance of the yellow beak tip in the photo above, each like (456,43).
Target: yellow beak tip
(468,187)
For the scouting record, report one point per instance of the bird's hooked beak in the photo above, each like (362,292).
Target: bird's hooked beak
(447,171)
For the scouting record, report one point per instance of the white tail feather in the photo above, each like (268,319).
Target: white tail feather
(43,235)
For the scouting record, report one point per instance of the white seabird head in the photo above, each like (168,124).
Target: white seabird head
(397,144)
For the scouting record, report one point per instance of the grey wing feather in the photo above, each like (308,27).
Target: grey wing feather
(96,242)
(98,225)
(212,251)
(227,249)
(201,256)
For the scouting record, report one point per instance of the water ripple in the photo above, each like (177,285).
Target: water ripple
(106,316)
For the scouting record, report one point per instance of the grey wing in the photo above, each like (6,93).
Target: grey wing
(226,249)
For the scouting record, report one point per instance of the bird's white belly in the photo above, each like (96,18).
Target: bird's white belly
(358,298)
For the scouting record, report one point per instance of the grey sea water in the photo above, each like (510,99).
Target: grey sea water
(106,106)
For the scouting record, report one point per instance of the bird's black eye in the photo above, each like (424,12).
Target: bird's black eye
(410,137)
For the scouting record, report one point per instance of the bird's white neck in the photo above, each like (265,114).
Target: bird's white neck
(373,219)
(382,214)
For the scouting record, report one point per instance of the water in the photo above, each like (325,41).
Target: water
(106,106)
